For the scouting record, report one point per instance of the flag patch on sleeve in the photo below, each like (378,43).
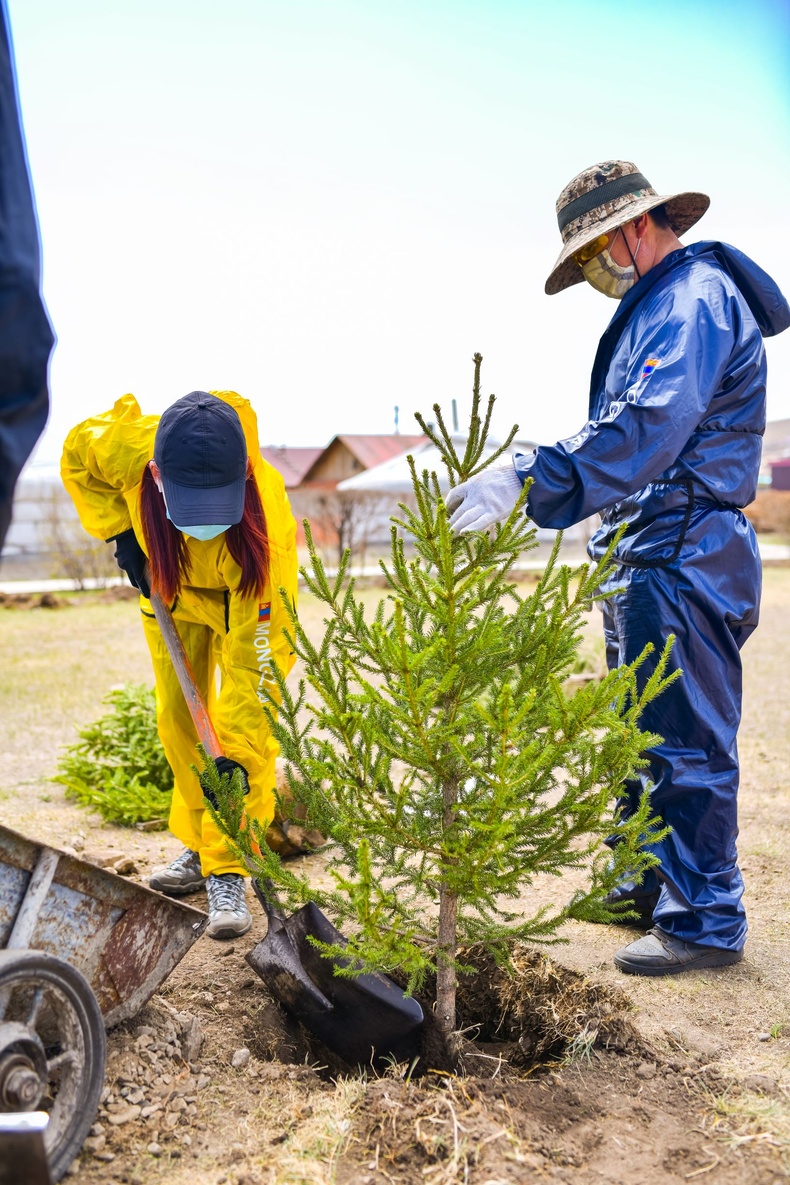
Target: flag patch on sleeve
(633,393)
(264,611)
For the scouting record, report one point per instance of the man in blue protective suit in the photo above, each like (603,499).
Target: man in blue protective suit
(670,453)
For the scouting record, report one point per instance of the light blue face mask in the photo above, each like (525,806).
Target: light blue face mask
(202,533)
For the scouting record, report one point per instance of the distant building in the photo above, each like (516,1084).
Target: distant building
(346,456)
(776,445)
(38,489)
(292,463)
(341,520)
(780,474)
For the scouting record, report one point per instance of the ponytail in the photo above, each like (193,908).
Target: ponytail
(168,555)
(248,542)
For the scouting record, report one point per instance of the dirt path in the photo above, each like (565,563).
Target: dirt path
(703,1094)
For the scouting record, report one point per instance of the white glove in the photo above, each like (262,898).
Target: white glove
(485,499)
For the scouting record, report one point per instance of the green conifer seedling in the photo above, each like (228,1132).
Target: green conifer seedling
(440,751)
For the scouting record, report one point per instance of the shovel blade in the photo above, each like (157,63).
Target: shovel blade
(279,966)
(368,1019)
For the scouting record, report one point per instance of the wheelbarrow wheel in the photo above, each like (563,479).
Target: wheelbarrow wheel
(52,1049)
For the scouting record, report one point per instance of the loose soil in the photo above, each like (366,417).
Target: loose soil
(585,1076)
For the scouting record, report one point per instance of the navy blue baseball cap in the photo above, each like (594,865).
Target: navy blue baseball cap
(202,457)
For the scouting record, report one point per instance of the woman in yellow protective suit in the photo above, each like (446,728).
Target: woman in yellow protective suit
(189,499)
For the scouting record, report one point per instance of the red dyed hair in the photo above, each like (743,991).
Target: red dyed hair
(168,554)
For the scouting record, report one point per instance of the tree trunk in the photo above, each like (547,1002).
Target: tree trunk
(448,931)
(445,969)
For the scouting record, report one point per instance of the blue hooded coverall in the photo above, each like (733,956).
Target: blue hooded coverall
(672,450)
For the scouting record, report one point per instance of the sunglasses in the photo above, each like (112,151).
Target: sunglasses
(585,254)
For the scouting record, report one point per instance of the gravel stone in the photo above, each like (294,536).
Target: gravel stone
(191,1039)
(155,1149)
(646,1070)
(124,1115)
(125,866)
(240,1058)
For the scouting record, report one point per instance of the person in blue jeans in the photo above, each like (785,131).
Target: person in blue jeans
(670,454)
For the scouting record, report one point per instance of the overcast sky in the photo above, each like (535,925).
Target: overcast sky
(329,206)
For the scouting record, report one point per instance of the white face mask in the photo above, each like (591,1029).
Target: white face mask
(609,277)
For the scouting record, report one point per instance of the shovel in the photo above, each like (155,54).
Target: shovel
(364,1019)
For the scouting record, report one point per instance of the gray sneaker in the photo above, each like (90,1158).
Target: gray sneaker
(181,877)
(228,916)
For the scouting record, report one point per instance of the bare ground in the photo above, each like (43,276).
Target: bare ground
(700,1091)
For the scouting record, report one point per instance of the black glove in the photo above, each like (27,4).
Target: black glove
(225,765)
(131,558)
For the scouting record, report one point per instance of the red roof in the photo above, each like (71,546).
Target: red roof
(372,450)
(783,464)
(292,463)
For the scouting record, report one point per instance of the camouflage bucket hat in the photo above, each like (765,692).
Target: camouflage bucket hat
(602,198)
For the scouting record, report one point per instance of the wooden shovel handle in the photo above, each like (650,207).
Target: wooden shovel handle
(186,677)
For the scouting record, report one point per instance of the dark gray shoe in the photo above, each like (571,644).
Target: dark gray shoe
(659,953)
(181,877)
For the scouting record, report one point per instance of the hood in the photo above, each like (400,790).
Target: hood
(762,294)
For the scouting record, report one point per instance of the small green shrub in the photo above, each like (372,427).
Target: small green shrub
(118,767)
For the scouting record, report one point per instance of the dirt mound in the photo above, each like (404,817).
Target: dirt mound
(33,601)
(118,592)
(513,1021)
(544,1008)
(608,1118)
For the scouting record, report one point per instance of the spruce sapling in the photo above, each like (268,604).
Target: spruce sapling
(439,750)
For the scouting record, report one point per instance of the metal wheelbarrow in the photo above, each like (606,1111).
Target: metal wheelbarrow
(80,950)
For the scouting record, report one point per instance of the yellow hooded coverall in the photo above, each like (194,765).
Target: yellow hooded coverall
(102,467)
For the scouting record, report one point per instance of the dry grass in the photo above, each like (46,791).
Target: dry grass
(312,1130)
(737,1118)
